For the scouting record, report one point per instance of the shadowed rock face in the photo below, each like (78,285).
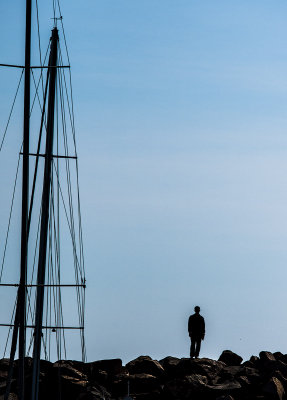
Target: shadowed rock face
(263,377)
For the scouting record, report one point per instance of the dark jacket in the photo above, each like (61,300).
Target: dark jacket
(196,326)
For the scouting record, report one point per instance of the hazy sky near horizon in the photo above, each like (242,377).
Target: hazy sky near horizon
(181,124)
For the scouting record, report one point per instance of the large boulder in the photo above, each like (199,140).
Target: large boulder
(145,365)
(135,384)
(68,388)
(103,372)
(67,368)
(230,358)
(266,356)
(189,387)
(112,366)
(4,366)
(274,389)
(253,362)
(233,372)
(201,366)
(232,388)
(279,356)
(196,387)
(142,383)
(64,379)
(170,365)
(94,393)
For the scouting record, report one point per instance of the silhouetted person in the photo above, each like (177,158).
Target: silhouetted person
(196,330)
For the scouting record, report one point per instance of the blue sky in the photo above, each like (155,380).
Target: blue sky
(181,129)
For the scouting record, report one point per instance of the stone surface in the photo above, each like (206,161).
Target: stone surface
(201,366)
(170,365)
(145,364)
(142,383)
(266,356)
(111,367)
(274,389)
(230,358)
(260,378)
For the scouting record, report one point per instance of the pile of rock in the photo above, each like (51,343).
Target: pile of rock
(263,377)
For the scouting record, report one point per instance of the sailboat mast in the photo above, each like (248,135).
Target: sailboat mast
(45,215)
(25,205)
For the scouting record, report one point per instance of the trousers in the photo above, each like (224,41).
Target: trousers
(195,346)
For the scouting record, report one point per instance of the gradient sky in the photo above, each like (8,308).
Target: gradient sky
(181,126)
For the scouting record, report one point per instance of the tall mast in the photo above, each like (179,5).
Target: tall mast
(25,205)
(45,216)
(20,315)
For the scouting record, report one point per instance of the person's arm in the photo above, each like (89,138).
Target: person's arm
(189,326)
(203,329)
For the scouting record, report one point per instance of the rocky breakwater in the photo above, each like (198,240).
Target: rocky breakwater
(263,377)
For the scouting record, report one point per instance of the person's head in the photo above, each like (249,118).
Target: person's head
(197,309)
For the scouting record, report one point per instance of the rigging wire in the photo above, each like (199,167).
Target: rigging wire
(37,85)
(53,304)
(79,302)
(11,111)
(10,328)
(71,114)
(10,216)
(71,121)
(64,36)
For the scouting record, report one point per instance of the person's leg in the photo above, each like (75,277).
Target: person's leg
(197,350)
(192,347)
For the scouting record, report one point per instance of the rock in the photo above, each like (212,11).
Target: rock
(263,378)
(69,388)
(119,385)
(197,382)
(230,358)
(230,372)
(279,356)
(207,367)
(200,366)
(12,396)
(189,387)
(244,381)
(274,389)
(103,372)
(232,388)
(145,364)
(142,383)
(66,368)
(282,379)
(195,387)
(273,366)
(254,359)
(4,366)
(112,367)
(154,395)
(253,362)
(94,393)
(135,384)
(170,365)
(253,375)
(266,356)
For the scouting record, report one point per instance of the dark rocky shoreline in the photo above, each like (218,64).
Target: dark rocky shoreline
(263,377)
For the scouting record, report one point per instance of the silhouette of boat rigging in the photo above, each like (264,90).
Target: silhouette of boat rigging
(50,210)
